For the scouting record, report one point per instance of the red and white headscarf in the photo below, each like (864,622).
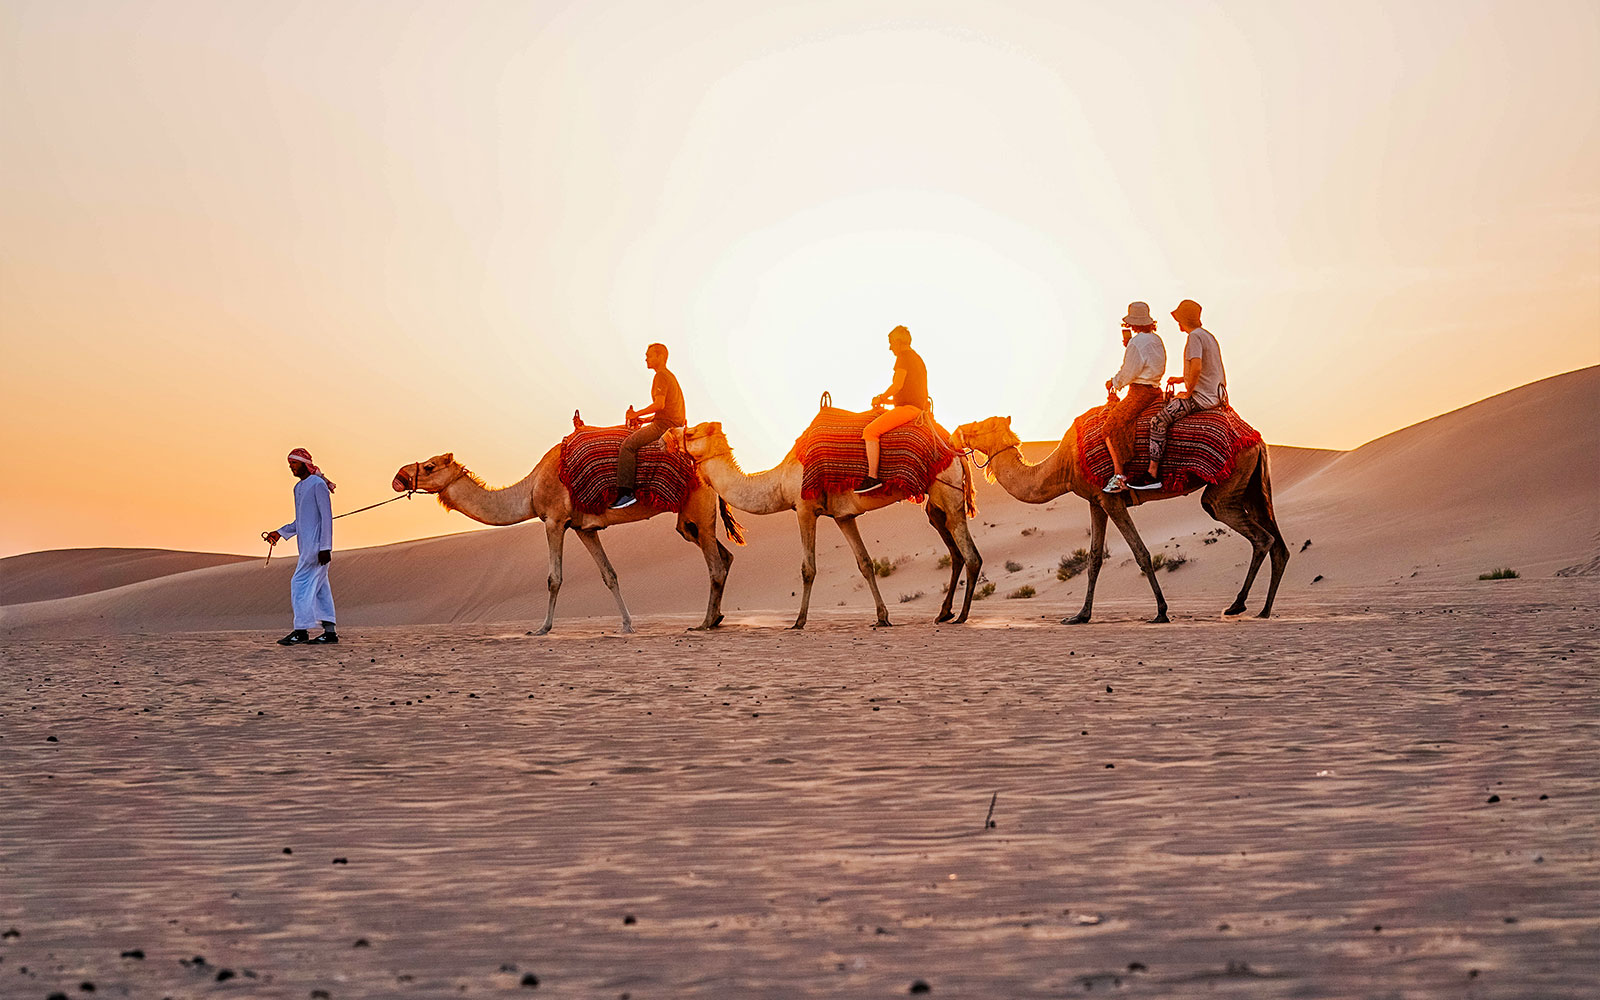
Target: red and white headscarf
(304,458)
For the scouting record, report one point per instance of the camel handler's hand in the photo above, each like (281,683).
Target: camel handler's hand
(271,537)
(325,557)
(630,419)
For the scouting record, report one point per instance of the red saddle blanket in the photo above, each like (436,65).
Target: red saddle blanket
(1202,446)
(589,471)
(833,458)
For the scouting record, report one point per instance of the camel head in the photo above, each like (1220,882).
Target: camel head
(991,436)
(701,442)
(428,476)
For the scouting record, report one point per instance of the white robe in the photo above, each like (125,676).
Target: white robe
(309,593)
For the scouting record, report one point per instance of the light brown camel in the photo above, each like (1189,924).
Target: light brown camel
(541,494)
(948,506)
(1243,502)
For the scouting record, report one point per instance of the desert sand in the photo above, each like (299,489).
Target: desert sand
(1386,790)
(1391,795)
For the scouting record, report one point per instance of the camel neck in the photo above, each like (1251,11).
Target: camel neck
(761,493)
(508,505)
(1029,483)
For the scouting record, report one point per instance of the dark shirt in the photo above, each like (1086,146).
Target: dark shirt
(914,390)
(672,409)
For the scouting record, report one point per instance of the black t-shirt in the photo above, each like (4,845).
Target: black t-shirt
(914,390)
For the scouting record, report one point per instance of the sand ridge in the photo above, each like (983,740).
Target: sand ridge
(1436,503)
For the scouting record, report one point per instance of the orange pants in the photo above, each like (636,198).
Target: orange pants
(889,420)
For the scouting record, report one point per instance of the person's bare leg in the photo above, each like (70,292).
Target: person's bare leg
(872,457)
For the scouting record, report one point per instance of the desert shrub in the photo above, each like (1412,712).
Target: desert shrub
(1071,566)
(1210,540)
(1161,561)
(944,561)
(987,590)
(882,567)
(911,597)
(1012,567)
(1503,573)
(1021,593)
(1029,532)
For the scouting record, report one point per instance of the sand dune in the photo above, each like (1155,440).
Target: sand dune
(1513,480)
(45,576)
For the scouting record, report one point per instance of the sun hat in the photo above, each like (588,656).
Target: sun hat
(1138,315)
(1188,311)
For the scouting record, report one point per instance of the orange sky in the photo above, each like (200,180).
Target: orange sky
(385,231)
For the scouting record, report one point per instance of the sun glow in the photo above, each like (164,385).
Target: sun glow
(805,306)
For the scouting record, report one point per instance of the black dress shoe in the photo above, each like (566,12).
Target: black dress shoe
(870,484)
(327,638)
(299,637)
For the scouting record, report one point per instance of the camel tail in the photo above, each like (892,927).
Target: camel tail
(734,528)
(969,489)
(1263,483)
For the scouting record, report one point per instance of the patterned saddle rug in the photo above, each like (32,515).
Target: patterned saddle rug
(833,458)
(589,471)
(1201,447)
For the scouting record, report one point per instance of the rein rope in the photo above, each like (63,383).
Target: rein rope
(407,495)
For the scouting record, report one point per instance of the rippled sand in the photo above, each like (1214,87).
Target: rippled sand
(1293,808)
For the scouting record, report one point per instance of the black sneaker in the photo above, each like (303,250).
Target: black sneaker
(1144,483)
(624,500)
(870,484)
(299,637)
(327,638)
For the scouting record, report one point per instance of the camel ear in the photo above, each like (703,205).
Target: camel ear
(715,426)
(448,458)
(1005,422)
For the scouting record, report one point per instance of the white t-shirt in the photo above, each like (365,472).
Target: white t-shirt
(1208,388)
(1143,363)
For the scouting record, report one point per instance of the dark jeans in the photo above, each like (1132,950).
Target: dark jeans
(628,457)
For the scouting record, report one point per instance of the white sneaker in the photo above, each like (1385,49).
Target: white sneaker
(1117,484)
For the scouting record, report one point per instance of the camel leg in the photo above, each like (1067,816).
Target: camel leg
(703,532)
(1245,508)
(852,534)
(937,517)
(1117,510)
(1237,517)
(958,531)
(808,561)
(555,535)
(591,541)
(1097,555)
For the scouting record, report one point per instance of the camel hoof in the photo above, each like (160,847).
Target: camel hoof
(1160,619)
(625,630)
(796,627)
(543,631)
(1264,614)
(1076,620)
(960,619)
(944,617)
(883,623)
(1237,609)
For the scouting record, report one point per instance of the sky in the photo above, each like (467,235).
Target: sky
(389,229)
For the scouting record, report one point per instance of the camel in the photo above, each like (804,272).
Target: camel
(948,506)
(541,494)
(1243,502)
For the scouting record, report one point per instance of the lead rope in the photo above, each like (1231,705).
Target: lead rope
(404,496)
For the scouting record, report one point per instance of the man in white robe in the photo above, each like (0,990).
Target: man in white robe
(309,593)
